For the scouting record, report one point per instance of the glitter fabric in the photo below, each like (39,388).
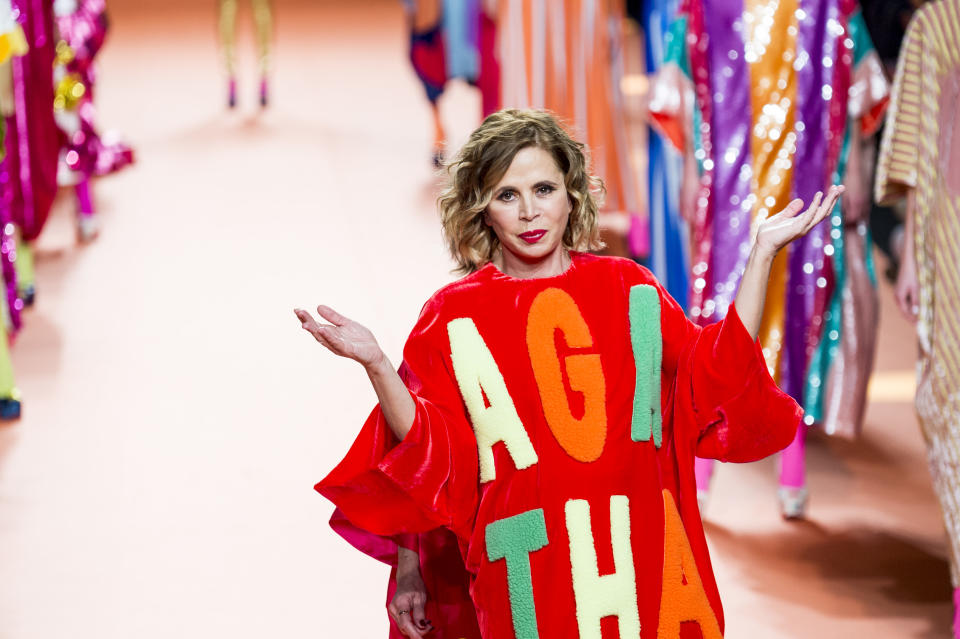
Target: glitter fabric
(82,26)
(33,140)
(771,80)
(921,151)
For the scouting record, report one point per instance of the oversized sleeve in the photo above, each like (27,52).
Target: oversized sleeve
(671,103)
(869,92)
(428,480)
(897,165)
(723,397)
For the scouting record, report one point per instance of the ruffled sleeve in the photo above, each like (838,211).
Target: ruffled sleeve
(723,395)
(428,480)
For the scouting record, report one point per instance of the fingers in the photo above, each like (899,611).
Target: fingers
(320,332)
(406,625)
(331,315)
(419,617)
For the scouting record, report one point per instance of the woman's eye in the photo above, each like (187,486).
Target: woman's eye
(545,189)
(506,196)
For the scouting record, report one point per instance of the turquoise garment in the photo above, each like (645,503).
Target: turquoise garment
(832,319)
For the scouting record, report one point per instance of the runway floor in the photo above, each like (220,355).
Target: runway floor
(176,417)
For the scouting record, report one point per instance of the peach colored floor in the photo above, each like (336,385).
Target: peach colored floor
(160,482)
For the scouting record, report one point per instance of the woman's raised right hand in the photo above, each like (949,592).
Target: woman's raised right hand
(342,336)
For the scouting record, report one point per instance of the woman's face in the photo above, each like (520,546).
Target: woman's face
(530,207)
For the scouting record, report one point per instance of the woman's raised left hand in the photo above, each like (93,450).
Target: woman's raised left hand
(776,231)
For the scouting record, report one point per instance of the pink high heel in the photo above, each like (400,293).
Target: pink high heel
(264,93)
(232,93)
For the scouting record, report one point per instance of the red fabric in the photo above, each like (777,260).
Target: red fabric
(717,401)
(449,607)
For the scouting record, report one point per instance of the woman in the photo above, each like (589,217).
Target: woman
(920,159)
(551,402)
(263,20)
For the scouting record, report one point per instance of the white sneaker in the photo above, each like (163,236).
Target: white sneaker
(793,502)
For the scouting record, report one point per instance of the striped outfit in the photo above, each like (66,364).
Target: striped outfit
(921,151)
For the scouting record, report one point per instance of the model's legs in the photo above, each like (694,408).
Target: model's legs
(228,41)
(25,276)
(263,19)
(87,226)
(9,395)
(703,469)
(439,135)
(793,485)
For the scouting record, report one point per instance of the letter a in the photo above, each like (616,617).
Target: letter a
(477,374)
(681,602)
(601,596)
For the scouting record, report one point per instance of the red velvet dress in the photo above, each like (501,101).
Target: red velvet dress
(556,425)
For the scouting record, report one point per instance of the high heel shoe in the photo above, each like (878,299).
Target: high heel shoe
(9,409)
(232,93)
(793,502)
(264,93)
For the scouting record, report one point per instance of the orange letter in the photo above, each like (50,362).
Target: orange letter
(679,601)
(554,310)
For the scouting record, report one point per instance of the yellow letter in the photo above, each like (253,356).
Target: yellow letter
(477,373)
(613,594)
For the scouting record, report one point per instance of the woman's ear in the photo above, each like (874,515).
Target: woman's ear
(486,218)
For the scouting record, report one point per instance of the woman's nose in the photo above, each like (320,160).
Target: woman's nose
(528,209)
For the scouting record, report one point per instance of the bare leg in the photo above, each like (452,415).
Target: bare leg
(439,136)
(793,491)
(263,19)
(228,41)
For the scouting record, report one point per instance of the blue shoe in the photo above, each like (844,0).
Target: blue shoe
(9,409)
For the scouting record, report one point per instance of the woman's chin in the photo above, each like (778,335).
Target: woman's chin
(534,253)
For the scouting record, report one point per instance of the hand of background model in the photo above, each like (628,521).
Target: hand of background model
(778,230)
(907,290)
(410,600)
(342,336)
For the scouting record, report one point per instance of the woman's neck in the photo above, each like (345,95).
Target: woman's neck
(550,266)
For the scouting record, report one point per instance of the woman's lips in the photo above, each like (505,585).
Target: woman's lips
(532,237)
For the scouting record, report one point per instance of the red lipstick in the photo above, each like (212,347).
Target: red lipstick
(532,237)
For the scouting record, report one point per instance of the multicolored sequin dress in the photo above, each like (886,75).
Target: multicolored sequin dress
(555,430)
(770,92)
(82,29)
(12,44)
(921,152)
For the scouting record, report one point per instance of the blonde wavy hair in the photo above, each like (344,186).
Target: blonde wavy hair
(483,161)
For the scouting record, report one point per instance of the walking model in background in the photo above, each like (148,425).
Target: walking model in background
(453,39)
(12,44)
(82,27)
(263,20)
(771,101)
(566,56)
(920,159)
